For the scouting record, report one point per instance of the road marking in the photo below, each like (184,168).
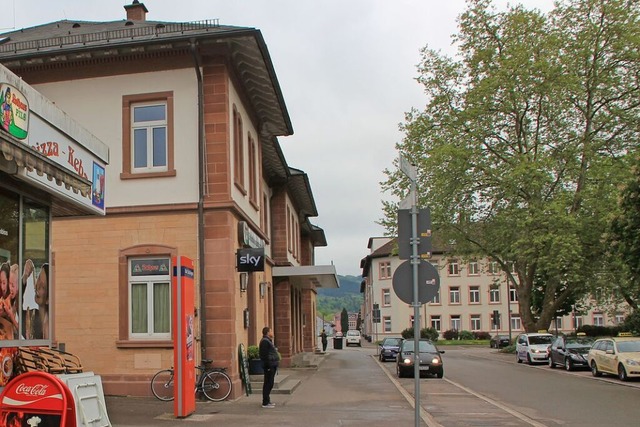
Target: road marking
(497,404)
(424,415)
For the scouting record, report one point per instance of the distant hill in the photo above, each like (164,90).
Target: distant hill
(346,296)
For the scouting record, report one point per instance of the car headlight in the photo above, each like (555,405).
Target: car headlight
(535,350)
(576,356)
(632,362)
(407,360)
(435,361)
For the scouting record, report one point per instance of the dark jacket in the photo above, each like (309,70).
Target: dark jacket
(268,353)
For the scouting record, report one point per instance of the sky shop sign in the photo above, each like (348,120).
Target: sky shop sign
(250,259)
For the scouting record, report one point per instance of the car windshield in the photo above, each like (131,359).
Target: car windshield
(424,346)
(628,346)
(353,333)
(579,342)
(392,341)
(540,339)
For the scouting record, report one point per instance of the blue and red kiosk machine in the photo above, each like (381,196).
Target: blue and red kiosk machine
(183,314)
(37,399)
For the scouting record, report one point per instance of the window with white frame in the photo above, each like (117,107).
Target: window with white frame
(150,298)
(598,319)
(454,295)
(455,322)
(494,294)
(386,297)
(558,323)
(386,321)
(513,294)
(454,267)
(436,299)
(149,136)
(476,324)
(493,268)
(435,323)
(516,323)
(473,268)
(579,322)
(474,295)
(619,319)
(385,270)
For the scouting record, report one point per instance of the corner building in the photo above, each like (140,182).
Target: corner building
(191,113)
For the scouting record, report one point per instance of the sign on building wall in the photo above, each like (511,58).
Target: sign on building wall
(68,153)
(14,108)
(32,127)
(250,259)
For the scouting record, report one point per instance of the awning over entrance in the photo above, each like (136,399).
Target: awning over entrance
(23,157)
(307,276)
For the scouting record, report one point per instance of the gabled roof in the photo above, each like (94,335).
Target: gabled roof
(70,41)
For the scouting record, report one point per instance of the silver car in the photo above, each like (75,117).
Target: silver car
(533,347)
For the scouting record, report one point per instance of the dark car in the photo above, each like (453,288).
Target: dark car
(430,359)
(388,348)
(499,341)
(570,352)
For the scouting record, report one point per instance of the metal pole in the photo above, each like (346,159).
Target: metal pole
(415,261)
(509,309)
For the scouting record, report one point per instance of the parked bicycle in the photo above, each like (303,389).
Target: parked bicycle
(212,382)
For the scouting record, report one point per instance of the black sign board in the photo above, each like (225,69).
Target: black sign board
(250,259)
(423,233)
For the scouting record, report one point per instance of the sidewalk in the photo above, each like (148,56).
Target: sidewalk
(348,388)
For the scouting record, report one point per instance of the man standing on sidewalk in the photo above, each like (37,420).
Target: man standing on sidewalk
(270,360)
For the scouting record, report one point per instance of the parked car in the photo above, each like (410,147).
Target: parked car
(570,352)
(499,341)
(533,347)
(354,337)
(618,356)
(388,348)
(429,358)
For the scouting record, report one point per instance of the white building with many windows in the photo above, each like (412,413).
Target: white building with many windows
(471,293)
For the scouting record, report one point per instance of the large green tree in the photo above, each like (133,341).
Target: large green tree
(525,134)
(624,241)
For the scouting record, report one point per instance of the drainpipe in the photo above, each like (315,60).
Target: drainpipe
(201,192)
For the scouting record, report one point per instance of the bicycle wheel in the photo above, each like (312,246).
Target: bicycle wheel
(162,385)
(216,386)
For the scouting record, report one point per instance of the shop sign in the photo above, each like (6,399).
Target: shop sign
(56,146)
(150,267)
(14,110)
(247,237)
(250,259)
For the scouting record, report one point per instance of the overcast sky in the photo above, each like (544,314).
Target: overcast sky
(347,71)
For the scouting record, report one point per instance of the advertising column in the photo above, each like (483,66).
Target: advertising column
(183,336)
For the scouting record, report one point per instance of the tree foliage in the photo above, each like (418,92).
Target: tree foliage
(344,320)
(525,134)
(624,240)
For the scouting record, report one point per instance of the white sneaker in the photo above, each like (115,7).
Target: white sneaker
(269,406)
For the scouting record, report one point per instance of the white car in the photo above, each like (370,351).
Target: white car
(354,337)
(533,347)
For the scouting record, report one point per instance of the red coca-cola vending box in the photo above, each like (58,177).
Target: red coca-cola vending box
(37,399)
